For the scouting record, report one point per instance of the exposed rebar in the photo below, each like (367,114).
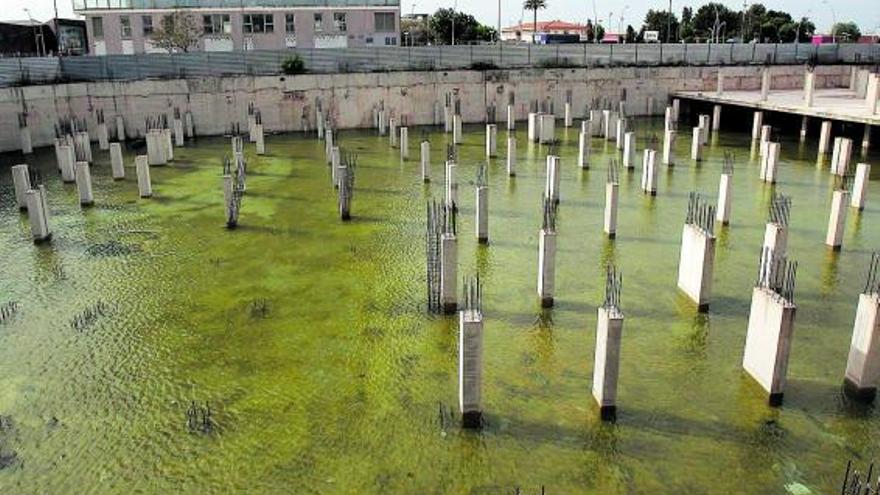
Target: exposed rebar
(473,294)
(777,274)
(613,284)
(727,167)
(700,214)
(613,172)
(872,284)
(780,210)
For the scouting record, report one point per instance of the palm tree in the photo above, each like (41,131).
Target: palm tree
(534,5)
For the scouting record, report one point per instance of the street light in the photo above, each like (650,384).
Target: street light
(454,6)
(833,20)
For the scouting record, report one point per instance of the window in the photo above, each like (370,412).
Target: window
(147,21)
(384,22)
(290,23)
(125,27)
(339,22)
(319,22)
(97,27)
(390,40)
(216,24)
(259,23)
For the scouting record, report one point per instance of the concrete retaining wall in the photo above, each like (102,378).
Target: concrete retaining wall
(350,98)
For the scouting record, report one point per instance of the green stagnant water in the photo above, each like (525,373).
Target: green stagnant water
(338,387)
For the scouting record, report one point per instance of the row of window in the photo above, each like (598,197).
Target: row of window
(384,22)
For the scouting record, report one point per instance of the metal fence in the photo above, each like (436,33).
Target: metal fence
(26,71)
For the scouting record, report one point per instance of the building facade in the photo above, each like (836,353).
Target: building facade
(127,26)
(523,32)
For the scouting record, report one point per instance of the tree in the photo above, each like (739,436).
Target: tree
(467,29)
(662,21)
(178,32)
(600,33)
(534,5)
(805,30)
(686,33)
(846,32)
(417,31)
(713,19)
(630,34)
(591,32)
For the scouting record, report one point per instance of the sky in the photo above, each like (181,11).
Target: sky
(866,13)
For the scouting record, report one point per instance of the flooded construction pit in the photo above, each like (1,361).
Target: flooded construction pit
(310,342)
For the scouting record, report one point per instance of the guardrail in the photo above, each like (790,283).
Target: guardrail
(28,71)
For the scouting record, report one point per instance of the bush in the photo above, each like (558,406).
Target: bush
(293,65)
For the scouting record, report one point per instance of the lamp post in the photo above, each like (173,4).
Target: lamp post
(454,6)
(833,20)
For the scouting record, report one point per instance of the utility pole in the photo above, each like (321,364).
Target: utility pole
(669,22)
(498,33)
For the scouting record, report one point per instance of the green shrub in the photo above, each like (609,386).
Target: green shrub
(293,65)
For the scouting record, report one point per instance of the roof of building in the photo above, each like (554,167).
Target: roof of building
(555,25)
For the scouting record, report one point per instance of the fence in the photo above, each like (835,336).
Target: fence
(25,71)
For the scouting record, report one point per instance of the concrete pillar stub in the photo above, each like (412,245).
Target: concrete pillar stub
(84,184)
(669,147)
(765,83)
(860,186)
(448,272)
(568,119)
(457,136)
(609,331)
(596,123)
(547,128)
(837,220)
(103,137)
(704,128)
(533,127)
(511,156)
(511,118)
(649,172)
(27,146)
(470,365)
(620,132)
(38,214)
(757,124)
(145,185)
(863,364)
(426,161)
(611,200)
(117,166)
(21,182)
(809,88)
(178,133)
(491,140)
(725,198)
(120,128)
(546,267)
(260,139)
(404,143)
(676,109)
(716,118)
(770,163)
(768,341)
(67,164)
(584,150)
(451,185)
(482,211)
(775,239)
(697,145)
(824,137)
(696,265)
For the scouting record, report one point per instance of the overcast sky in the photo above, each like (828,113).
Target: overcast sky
(865,12)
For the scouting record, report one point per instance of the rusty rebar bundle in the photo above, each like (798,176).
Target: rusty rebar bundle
(613,284)
(780,210)
(700,214)
(777,274)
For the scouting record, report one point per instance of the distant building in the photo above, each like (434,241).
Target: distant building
(127,26)
(523,32)
(33,39)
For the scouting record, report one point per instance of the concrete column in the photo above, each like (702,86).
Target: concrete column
(179,138)
(548,128)
(27,146)
(766,133)
(261,139)
(86,145)
(392,132)
(84,184)
(511,118)
(629,151)
(863,364)
(154,148)
(676,109)
(611,199)
(860,186)
(606,365)
(873,94)
(103,137)
(328,145)
(457,137)
(757,123)
(482,209)
(668,121)
(228,192)
(491,140)
(252,121)
(38,214)
(704,128)
(116,165)
(596,119)
(511,156)
(696,265)
(669,147)
(610,125)
(824,137)
(649,172)
(768,341)
(770,163)
(120,128)
(451,185)
(447,119)
(725,197)
(168,145)
(382,125)
(584,150)
(448,272)
(546,267)
(620,132)
(866,139)
(552,179)
(404,143)
(765,83)
(335,166)
(776,239)
(568,120)
(426,161)
(809,88)
(21,182)
(533,127)
(853,77)
(697,145)
(67,163)
(719,86)
(470,365)
(145,184)
(837,220)
(319,121)
(189,125)
(805,125)
(716,118)
(841,156)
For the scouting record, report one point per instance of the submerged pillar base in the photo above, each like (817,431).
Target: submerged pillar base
(860,394)
(608,413)
(546,302)
(775,400)
(472,419)
(450,308)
